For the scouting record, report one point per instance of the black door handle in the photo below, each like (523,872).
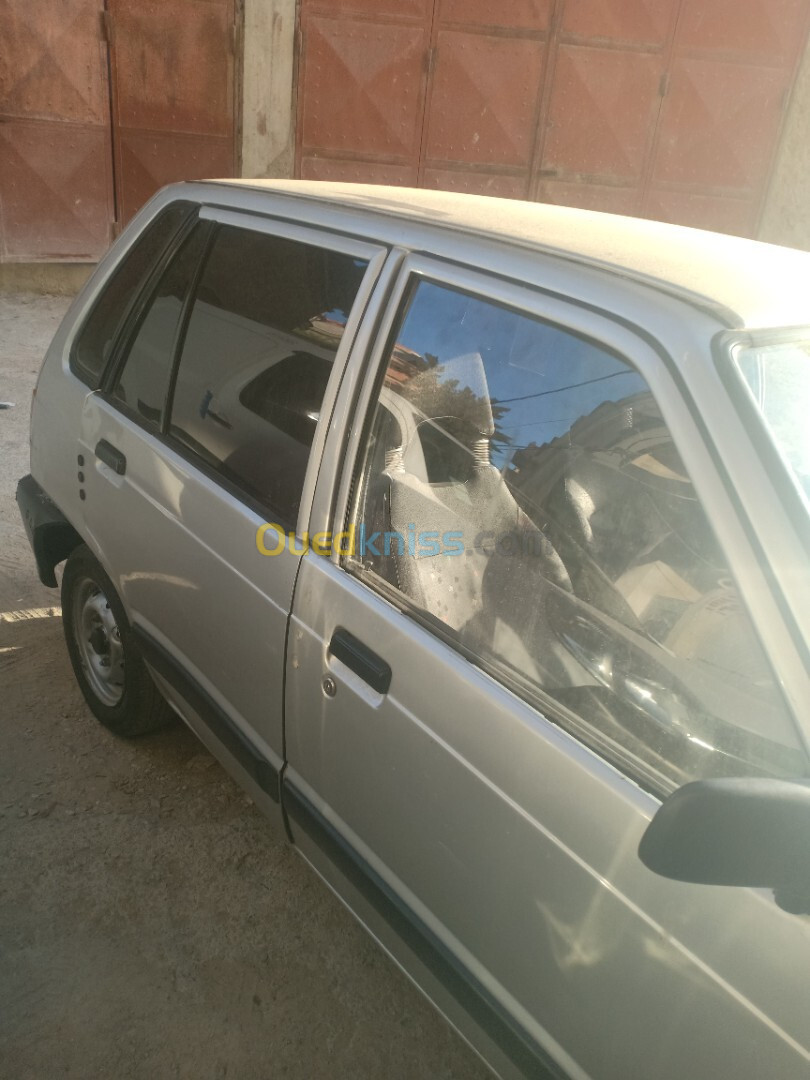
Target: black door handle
(361,660)
(111,457)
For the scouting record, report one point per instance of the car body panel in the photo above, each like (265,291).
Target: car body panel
(518,847)
(199,566)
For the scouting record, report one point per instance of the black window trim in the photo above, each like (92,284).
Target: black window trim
(182,326)
(145,287)
(135,319)
(137,313)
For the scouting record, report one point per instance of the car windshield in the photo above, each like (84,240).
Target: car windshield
(777,376)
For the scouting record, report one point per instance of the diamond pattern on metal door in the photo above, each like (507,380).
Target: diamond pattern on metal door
(56,192)
(172,94)
(660,108)
(362,82)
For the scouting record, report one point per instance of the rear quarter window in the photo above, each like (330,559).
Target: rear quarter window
(94,344)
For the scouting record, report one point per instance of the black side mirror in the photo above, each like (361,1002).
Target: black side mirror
(745,832)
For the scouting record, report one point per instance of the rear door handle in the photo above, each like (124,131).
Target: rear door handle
(111,457)
(358,658)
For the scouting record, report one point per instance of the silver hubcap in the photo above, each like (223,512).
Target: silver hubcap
(99,642)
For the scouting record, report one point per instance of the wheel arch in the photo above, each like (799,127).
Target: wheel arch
(52,536)
(53,544)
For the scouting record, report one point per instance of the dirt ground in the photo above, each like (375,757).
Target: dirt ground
(152,924)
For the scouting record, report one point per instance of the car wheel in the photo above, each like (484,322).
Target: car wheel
(108,666)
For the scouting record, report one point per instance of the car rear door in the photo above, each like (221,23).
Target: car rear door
(525,635)
(207,431)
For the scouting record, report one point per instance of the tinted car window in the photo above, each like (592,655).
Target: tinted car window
(95,341)
(528,496)
(267,319)
(143,382)
(289,394)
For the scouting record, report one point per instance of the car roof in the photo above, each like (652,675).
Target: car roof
(756,284)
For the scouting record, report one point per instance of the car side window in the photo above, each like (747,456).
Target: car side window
(521,489)
(142,382)
(93,346)
(266,322)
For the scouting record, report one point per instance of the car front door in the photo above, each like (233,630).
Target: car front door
(208,431)
(525,636)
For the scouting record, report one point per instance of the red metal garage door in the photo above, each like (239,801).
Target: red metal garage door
(56,189)
(485,89)
(664,108)
(172,94)
(732,66)
(362,76)
(80,152)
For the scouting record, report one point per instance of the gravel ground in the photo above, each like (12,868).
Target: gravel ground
(152,924)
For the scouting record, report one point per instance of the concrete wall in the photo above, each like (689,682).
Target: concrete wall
(267,88)
(786,219)
(56,279)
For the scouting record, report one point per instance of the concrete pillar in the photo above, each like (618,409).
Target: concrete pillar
(786,218)
(268,115)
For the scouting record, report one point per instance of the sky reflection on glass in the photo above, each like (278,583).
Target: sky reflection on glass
(543,378)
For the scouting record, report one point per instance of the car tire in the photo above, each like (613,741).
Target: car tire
(106,660)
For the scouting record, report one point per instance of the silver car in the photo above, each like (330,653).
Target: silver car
(472,537)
